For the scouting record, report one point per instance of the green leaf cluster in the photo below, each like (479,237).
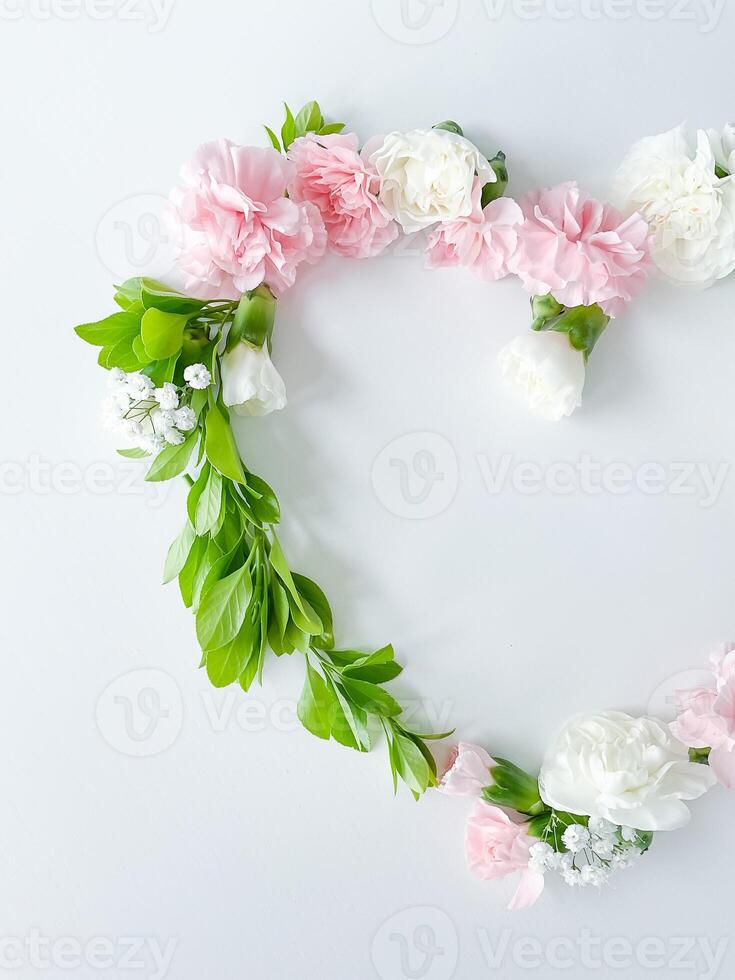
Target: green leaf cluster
(308,119)
(584,325)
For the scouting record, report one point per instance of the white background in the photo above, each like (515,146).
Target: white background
(156,808)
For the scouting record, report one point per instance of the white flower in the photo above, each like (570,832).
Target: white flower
(167,396)
(628,834)
(603,847)
(631,771)
(723,147)
(197,376)
(543,857)
(185,419)
(116,377)
(576,838)
(594,874)
(173,437)
(250,383)
(572,877)
(690,210)
(150,443)
(139,386)
(599,827)
(427,176)
(162,421)
(548,370)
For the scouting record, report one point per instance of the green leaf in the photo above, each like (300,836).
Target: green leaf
(288,130)
(163,333)
(128,294)
(225,664)
(222,609)
(188,573)
(132,453)
(220,444)
(308,119)
(122,355)
(162,371)
(156,295)
(107,332)
(372,698)
(280,567)
(275,142)
(411,764)
(316,704)
(311,592)
(331,128)
(264,502)
(173,460)
(178,553)
(209,504)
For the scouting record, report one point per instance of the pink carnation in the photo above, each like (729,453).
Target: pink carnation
(467,772)
(331,175)
(484,242)
(496,846)
(706,717)
(580,250)
(234,224)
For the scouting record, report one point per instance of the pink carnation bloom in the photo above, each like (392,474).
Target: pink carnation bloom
(235,227)
(706,717)
(496,847)
(332,175)
(484,242)
(467,772)
(580,250)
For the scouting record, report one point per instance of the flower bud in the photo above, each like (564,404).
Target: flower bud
(250,383)
(254,318)
(514,788)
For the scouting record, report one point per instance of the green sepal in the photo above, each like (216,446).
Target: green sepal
(497,188)
(513,787)
(450,126)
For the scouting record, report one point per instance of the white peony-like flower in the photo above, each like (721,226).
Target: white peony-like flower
(723,147)
(630,771)
(427,175)
(689,209)
(548,370)
(250,383)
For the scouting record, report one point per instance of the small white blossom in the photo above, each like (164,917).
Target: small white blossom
(600,827)
(167,396)
(628,834)
(572,877)
(595,874)
(173,437)
(197,376)
(576,838)
(116,377)
(162,421)
(543,857)
(139,386)
(603,847)
(151,444)
(185,419)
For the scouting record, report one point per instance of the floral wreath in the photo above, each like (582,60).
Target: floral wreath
(181,361)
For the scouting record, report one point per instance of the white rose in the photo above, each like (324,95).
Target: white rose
(690,210)
(548,370)
(723,147)
(250,383)
(630,771)
(427,176)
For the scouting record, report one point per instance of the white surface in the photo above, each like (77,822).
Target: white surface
(259,851)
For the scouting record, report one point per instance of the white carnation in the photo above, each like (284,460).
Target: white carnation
(250,383)
(631,771)
(689,209)
(427,176)
(548,371)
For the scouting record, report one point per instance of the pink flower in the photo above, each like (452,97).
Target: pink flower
(496,847)
(484,242)
(580,250)
(467,772)
(331,175)
(706,717)
(235,226)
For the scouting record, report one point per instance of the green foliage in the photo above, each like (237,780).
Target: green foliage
(308,119)
(231,569)
(513,787)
